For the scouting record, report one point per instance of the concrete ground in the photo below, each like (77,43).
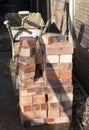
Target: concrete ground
(9,108)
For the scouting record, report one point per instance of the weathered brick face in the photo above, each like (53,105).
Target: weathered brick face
(54,113)
(26,42)
(39,99)
(27,68)
(48,39)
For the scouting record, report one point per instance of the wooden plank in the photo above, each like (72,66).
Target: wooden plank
(81,55)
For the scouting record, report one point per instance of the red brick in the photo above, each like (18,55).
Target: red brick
(59,48)
(39,99)
(26,42)
(59,89)
(65,58)
(52,82)
(66,82)
(43,106)
(25,100)
(65,74)
(53,98)
(52,66)
(53,106)
(24,76)
(26,108)
(31,107)
(36,88)
(52,74)
(63,119)
(42,90)
(40,114)
(52,59)
(65,66)
(31,91)
(53,90)
(27,92)
(52,50)
(66,89)
(28,115)
(27,68)
(59,120)
(48,39)
(54,113)
(50,120)
(59,66)
(27,82)
(39,80)
(26,60)
(58,82)
(36,107)
(27,52)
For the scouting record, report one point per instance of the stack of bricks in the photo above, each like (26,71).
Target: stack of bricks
(33,105)
(26,61)
(58,77)
(32,90)
(45,81)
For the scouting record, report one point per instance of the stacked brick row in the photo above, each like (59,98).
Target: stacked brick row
(45,81)
(33,104)
(58,77)
(32,90)
(26,61)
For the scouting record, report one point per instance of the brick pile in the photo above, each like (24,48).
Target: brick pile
(32,90)
(45,81)
(58,77)
(26,61)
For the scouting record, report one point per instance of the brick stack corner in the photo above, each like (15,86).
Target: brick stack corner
(58,77)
